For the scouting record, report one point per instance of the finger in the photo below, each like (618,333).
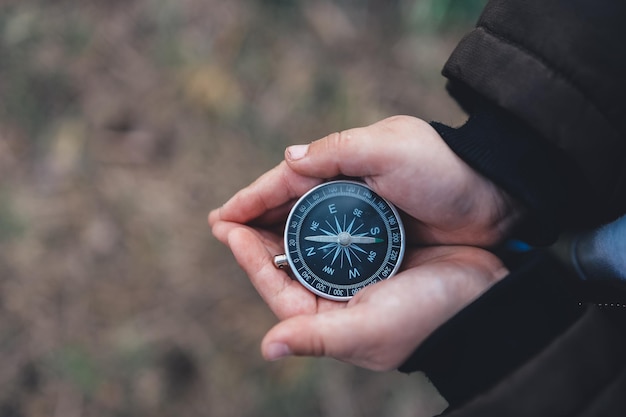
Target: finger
(284,296)
(404,310)
(343,153)
(275,216)
(214,217)
(221,229)
(311,335)
(363,152)
(272,190)
(270,239)
(344,334)
(465,261)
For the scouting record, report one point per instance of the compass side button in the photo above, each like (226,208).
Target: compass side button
(280,261)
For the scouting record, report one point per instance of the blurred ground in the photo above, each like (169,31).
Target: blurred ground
(122,123)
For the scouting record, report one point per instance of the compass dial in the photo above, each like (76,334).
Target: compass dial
(342,236)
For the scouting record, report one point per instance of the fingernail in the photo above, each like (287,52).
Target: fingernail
(296,152)
(275,351)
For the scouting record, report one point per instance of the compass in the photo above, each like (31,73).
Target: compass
(340,237)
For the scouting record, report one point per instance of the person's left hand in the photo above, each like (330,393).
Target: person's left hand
(378,328)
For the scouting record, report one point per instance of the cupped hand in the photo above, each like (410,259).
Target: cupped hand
(404,160)
(379,327)
(443,201)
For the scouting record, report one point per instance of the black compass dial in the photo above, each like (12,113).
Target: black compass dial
(342,236)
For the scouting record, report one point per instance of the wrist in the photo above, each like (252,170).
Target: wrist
(510,323)
(516,158)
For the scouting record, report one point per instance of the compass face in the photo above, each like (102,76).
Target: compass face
(342,236)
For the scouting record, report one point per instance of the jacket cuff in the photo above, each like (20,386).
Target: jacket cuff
(516,158)
(513,321)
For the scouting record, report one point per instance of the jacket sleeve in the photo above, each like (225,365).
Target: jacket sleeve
(543,82)
(516,158)
(558,66)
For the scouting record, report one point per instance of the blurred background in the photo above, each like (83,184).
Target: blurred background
(122,123)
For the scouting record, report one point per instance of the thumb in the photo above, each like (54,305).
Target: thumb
(310,335)
(354,152)
(367,151)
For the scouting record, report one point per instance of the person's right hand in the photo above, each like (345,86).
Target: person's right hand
(383,323)
(404,160)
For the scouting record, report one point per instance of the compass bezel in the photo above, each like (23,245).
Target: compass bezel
(310,279)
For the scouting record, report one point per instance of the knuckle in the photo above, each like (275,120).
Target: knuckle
(337,139)
(318,347)
(332,151)
(340,142)
(403,125)
(396,119)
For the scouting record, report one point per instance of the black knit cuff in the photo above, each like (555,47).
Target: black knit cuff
(516,158)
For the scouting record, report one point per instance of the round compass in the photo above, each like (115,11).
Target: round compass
(341,236)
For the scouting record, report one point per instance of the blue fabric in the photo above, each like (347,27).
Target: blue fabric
(600,255)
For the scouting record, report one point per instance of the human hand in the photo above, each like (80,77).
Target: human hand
(444,201)
(383,323)
(404,160)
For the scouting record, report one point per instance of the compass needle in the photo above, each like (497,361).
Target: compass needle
(340,237)
(322,239)
(366,240)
